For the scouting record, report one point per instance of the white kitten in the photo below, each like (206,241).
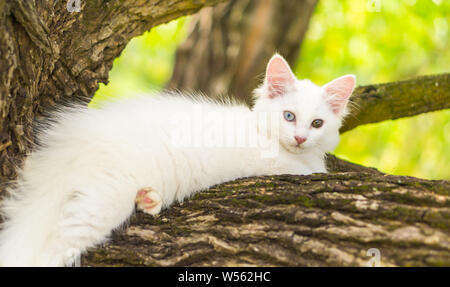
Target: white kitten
(96,163)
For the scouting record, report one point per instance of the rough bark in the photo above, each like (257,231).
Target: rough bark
(49,55)
(317,220)
(229,45)
(390,101)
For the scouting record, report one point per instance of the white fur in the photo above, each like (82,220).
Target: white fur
(82,184)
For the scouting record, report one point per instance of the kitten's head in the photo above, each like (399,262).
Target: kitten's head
(310,115)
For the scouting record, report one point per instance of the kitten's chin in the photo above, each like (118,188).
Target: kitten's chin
(295,149)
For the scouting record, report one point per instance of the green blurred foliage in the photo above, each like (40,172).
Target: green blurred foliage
(145,65)
(377,40)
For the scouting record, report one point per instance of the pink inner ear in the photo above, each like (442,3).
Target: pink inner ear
(339,91)
(279,77)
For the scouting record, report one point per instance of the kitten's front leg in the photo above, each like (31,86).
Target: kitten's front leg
(149,201)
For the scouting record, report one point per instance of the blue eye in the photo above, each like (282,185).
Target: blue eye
(289,116)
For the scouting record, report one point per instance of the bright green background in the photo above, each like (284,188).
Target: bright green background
(377,40)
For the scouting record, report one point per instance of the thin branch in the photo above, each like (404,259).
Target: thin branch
(376,103)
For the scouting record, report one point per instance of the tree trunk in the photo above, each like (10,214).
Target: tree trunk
(230,44)
(49,55)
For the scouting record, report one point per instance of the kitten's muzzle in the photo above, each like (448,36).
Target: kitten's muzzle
(300,140)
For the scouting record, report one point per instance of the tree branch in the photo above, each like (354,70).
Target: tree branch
(376,103)
(335,164)
(315,220)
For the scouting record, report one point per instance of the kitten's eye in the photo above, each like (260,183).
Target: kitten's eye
(317,123)
(289,116)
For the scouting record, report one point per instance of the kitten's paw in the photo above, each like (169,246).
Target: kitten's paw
(148,200)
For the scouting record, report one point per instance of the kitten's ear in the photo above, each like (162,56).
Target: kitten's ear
(338,91)
(279,77)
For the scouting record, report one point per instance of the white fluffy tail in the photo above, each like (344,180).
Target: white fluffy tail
(74,189)
(30,228)
(53,223)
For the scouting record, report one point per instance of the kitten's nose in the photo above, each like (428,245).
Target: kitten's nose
(300,140)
